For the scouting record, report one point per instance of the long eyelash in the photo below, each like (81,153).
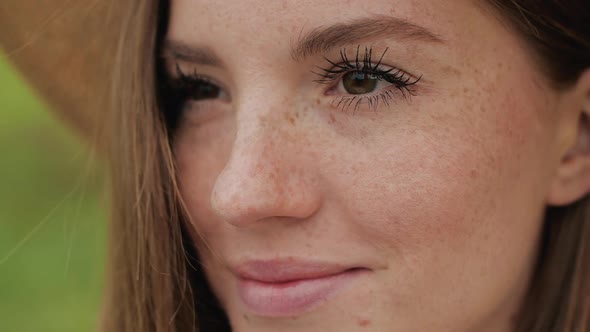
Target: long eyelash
(175,91)
(386,97)
(178,85)
(402,81)
(191,79)
(181,86)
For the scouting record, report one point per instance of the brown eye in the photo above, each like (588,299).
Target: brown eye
(358,82)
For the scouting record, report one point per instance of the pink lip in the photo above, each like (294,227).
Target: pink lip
(288,288)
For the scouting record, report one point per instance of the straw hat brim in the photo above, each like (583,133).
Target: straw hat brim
(64,49)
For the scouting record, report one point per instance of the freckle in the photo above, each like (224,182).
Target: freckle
(332,119)
(317,101)
(289,118)
(246,318)
(473,174)
(297,113)
(451,70)
(364,322)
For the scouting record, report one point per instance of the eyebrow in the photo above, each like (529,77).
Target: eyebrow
(318,40)
(323,39)
(194,54)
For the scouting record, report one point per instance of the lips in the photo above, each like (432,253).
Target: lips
(291,287)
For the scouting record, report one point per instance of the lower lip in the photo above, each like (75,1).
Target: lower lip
(295,297)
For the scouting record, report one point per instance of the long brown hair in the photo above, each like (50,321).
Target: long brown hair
(155,283)
(558,34)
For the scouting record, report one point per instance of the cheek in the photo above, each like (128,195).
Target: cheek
(467,182)
(453,202)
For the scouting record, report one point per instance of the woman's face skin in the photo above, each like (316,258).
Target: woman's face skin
(423,202)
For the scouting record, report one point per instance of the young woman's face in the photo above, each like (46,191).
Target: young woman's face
(372,165)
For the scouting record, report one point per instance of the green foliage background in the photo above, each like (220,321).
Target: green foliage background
(53,214)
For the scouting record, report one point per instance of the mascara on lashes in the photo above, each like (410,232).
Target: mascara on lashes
(196,87)
(402,83)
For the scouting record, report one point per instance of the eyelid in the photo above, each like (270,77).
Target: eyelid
(191,78)
(364,64)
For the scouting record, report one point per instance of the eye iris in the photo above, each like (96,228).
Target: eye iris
(205,90)
(358,82)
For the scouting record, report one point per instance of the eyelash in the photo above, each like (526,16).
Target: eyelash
(179,90)
(402,82)
(187,83)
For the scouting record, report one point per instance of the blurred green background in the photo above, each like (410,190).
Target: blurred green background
(53,213)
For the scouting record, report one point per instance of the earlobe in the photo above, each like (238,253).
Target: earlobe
(572,180)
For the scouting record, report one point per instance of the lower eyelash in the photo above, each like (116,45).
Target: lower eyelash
(386,97)
(401,82)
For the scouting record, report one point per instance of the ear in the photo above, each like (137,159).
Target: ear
(572,180)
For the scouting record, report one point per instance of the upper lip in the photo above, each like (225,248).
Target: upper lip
(287,270)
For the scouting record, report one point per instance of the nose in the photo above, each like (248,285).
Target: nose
(269,174)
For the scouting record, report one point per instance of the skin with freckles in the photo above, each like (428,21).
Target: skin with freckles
(438,191)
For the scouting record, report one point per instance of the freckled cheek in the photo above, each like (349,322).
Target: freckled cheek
(438,186)
(414,205)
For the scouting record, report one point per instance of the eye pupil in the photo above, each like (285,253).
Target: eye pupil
(358,82)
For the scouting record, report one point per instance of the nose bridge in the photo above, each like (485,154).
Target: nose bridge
(266,174)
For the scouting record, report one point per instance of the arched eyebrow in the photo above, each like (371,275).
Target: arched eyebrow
(318,40)
(323,39)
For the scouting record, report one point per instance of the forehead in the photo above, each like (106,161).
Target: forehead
(264,23)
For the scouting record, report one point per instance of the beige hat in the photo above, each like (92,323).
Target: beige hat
(65,49)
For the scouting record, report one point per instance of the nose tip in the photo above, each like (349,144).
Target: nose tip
(246,193)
